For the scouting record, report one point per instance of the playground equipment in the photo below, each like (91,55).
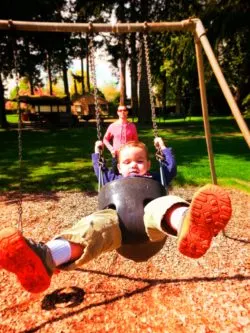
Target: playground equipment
(193,25)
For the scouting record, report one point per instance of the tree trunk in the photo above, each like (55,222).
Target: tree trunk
(82,77)
(31,84)
(122,42)
(49,74)
(3,121)
(144,114)
(66,83)
(65,79)
(134,81)
(178,97)
(87,63)
(164,94)
(75,87)
(30,76)
(123,72)
(82,67)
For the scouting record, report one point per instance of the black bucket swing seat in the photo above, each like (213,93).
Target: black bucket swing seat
(129,196)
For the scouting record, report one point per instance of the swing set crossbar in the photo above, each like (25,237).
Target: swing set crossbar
(184,25)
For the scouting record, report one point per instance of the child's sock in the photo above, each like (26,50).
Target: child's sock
(176,218)
(173,219)
(60,250)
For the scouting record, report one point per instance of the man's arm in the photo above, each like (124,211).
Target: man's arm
(108,136)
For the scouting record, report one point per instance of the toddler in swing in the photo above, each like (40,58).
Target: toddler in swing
(194,225)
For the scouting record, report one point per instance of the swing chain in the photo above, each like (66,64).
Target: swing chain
(20,153)
(158,155)
(97,106)
(145,38)
(101,162)
(139,65)
(19,131)
(93,76)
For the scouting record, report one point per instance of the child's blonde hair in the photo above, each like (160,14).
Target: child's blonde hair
(133,144)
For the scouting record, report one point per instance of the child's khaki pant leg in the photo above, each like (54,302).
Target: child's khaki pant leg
(154,212)
(97,233)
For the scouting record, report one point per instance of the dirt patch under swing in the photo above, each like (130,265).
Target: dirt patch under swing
(168,293)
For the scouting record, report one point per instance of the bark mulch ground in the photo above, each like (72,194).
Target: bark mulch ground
(168,293)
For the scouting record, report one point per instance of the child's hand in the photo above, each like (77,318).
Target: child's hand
(159,143)
(98,146)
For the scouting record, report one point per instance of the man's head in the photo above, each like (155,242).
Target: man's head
(122,111)
(133,159)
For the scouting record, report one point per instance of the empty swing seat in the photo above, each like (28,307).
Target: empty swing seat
(129,196)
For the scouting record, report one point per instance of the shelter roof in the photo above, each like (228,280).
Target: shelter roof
(41,100)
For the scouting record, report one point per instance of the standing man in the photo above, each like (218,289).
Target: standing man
(119,132)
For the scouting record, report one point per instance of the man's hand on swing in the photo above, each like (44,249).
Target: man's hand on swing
(159,143)
(99,146)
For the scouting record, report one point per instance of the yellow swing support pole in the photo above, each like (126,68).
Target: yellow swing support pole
(204,107)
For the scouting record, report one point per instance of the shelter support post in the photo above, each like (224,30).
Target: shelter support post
(201,35)
(204,107)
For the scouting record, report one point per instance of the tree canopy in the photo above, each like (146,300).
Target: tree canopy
(172,55)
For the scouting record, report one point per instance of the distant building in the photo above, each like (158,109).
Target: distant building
(51,109)
(84,107)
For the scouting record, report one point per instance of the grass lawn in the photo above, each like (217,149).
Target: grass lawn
(59,159)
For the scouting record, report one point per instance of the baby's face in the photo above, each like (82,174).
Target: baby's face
(133,161)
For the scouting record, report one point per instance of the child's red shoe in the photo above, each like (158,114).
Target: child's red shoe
(31,262)
(208,214)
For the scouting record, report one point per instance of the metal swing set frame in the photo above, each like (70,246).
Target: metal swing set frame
(192,25)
